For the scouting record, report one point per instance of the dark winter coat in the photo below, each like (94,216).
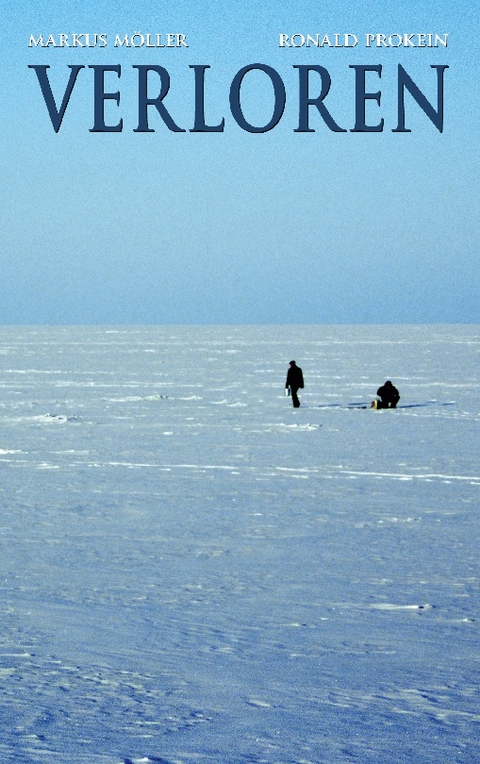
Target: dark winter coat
(294,378)
(389,395)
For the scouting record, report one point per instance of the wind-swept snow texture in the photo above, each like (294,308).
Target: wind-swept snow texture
(194,572)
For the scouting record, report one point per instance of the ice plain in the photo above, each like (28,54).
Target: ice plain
(193,572)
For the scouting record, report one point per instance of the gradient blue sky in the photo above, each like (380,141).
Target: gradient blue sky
(278,227)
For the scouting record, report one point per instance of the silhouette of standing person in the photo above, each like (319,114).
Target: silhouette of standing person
(294,382)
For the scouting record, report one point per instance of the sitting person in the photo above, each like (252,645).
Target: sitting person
(389,396)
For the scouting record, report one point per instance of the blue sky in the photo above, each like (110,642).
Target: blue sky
(235,227)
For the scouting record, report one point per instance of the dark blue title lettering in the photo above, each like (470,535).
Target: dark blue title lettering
(314,85)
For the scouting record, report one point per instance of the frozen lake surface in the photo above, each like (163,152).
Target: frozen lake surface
(193,572)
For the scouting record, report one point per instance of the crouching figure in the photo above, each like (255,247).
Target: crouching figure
(388,397)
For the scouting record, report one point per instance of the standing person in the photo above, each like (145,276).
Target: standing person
(294,382)
(389,396)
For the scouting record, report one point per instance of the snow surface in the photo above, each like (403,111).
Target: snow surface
(194,572)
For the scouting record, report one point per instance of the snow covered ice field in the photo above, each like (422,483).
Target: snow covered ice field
(193,572)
